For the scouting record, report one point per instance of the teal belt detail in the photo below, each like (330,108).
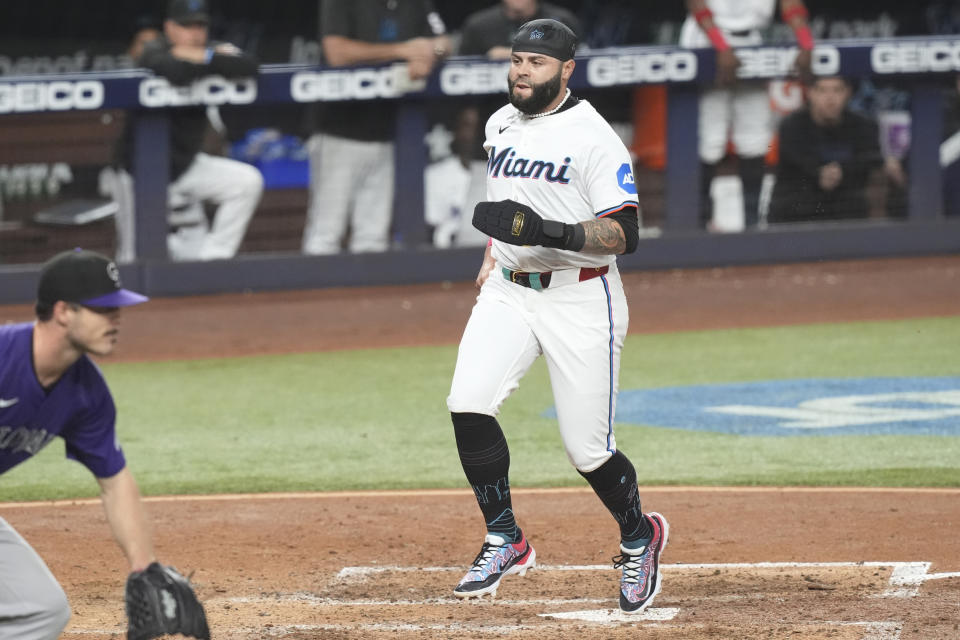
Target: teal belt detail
(526,279)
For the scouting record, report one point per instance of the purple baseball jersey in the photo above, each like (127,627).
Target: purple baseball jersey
(78,408)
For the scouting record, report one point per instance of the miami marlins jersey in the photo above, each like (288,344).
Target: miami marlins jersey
(740,20)
(569,166)
(78,408)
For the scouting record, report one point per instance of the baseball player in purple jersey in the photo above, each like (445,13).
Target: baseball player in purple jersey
(49,387)
(561,204)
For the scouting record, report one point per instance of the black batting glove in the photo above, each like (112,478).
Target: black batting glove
(518,224)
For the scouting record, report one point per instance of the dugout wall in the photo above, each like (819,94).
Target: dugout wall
(928,66)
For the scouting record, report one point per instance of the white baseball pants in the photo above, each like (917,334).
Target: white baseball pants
(33,605)
(351,185)
(235,187)
(579,328)
(741,114)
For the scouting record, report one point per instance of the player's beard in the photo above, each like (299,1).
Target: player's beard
(540,96)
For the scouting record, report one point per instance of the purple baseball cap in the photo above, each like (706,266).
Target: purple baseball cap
(84,277)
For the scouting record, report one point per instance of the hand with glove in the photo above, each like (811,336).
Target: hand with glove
(161,602)
(515,223)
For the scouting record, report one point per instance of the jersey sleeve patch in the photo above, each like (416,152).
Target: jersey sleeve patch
(625,179)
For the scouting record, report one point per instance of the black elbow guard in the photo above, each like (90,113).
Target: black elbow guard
(629,220)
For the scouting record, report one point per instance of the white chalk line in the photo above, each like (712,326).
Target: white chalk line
(611,616)
(905,580)
(349,572)
(313,600)
(904,573)
(310,599)
(940,576)
(905,577)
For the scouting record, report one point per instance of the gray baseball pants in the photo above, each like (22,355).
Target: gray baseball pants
(33,605)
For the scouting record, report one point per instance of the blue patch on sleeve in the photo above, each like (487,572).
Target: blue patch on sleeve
(625,179)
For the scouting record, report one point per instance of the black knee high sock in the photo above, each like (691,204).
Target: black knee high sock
(707,173)
(486,463)
(751,175)
(615,483)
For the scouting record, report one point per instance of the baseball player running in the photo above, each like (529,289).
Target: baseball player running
(49,387)
(561,205)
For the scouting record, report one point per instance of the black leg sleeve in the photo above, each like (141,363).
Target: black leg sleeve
(486,463)
(615,483)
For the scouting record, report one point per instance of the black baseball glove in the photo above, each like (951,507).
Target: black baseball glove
(515,223)
(160,602)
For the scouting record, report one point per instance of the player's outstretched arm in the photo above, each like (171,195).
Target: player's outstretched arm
(125,514)
(159,601)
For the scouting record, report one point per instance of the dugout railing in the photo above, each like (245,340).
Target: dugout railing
(927,66)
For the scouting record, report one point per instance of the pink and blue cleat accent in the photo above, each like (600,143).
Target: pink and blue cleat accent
(497,558)
(640,581)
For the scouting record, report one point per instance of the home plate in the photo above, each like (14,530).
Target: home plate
(615,615)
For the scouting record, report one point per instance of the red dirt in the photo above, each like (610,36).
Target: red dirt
(267,566)
(661,301)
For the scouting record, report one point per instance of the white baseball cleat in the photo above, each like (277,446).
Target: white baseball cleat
(497,558)
(640,582)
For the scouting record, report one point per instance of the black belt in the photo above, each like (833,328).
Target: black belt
(740,34)
(541,280)
(531,280)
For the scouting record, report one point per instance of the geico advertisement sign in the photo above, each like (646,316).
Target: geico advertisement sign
(58,95)
(213,90)
(916,57)
(668,66)
(353,84)
(461,79)
(778,62)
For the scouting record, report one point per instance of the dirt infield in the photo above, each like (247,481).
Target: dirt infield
(879,564)
(376,565)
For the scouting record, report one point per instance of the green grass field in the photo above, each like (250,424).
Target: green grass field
(377,419)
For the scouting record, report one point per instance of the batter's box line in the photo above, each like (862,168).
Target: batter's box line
(873,630)
(905,579)
(319,601)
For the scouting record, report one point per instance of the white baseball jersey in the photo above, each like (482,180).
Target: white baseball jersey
(570,166)
(740,20)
